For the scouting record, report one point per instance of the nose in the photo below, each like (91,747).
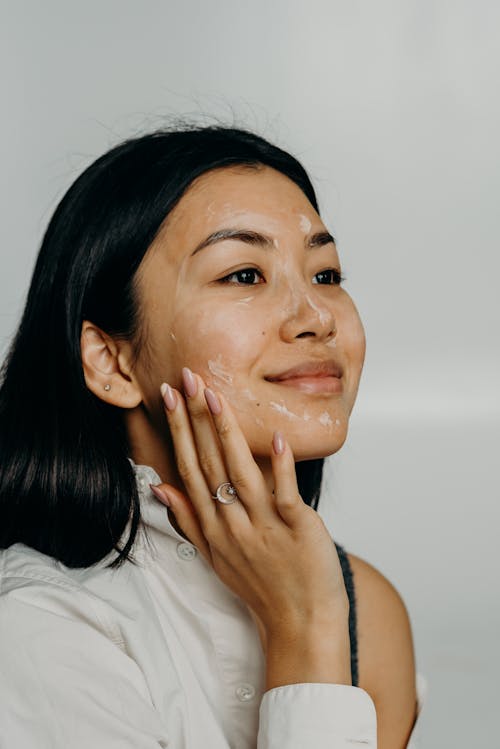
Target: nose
(306,314)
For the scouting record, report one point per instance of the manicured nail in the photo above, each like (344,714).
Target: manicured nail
(169,396)
(160,494)
(189,381)
(212,401)
(278,443)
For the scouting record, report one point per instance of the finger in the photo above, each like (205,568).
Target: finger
(206,440)
(186,457)
(185,516)
(288,501)
(244,473)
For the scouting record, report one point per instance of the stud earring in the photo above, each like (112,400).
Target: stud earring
(107,387)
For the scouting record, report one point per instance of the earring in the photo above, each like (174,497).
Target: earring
(107,387)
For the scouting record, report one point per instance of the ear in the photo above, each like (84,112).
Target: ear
(106,367)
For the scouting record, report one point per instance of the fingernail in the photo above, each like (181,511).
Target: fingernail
(160,494)
(212,401)
(278,443)
(169,396)
(189,381)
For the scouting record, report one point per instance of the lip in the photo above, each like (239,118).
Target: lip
(309,369)
(316,384)
(313,376)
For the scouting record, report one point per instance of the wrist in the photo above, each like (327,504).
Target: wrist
(312,655)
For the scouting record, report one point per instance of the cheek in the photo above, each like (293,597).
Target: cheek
(218,341)
(351,338)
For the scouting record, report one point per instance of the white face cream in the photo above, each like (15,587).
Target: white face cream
(235,329)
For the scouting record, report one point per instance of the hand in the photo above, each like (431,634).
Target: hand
(270,549)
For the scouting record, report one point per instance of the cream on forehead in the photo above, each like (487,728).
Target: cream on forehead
(304,223)
(263,221)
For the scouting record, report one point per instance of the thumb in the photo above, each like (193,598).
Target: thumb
(185,516)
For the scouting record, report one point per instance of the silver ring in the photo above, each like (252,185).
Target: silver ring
(225,493)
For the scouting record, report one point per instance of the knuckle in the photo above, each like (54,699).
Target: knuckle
(288,498)
(175,425)
(197,412)
(240,481)
(288,501)
(185,468)
(209,462)
(223,427)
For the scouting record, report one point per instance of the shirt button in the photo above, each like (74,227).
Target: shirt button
(245,692)
(186,551)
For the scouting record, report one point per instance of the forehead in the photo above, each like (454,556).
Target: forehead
(260,195)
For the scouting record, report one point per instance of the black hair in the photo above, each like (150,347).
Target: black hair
(67,487)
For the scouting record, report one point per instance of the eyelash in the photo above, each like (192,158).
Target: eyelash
(339,278)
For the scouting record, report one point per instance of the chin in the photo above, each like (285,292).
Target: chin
(304,447)
(314,450)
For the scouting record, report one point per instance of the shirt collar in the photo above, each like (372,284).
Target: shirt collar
(154,514)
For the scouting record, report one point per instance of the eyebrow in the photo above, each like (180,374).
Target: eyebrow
(318,239)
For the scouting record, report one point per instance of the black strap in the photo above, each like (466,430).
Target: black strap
(349,586)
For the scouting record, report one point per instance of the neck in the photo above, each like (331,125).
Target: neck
(150,444)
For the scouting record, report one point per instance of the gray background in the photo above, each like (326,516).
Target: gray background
(393,108)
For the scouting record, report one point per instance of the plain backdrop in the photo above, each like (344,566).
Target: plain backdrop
(393,107)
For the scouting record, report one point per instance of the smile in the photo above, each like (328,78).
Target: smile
(312,384)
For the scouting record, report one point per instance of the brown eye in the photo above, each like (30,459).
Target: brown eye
(333,277)
(245,276)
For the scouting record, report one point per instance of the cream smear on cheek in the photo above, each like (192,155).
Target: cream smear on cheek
(220,371)
(223,370)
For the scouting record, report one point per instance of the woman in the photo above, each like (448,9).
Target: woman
(186,359)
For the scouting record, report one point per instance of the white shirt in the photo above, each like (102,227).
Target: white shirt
(162,654)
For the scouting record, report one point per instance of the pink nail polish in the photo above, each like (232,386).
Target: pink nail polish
(160,494)
(278,443)
(169,396)
(190,385)
(212,401)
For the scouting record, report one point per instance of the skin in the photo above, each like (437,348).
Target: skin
(233,335)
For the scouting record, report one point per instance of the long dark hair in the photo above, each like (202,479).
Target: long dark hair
(67,487)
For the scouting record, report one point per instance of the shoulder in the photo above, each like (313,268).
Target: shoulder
(63,661)
(36,589)
(385,651)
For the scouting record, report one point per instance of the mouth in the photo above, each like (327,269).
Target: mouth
(311,377)
(317,384)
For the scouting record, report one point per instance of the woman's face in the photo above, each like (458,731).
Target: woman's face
(239,311)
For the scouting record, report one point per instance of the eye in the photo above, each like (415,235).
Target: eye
(333,277)
(245,276)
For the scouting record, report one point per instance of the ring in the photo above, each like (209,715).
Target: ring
(225,493)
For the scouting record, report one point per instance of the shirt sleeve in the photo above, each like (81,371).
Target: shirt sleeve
(64,683)
(323,716)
